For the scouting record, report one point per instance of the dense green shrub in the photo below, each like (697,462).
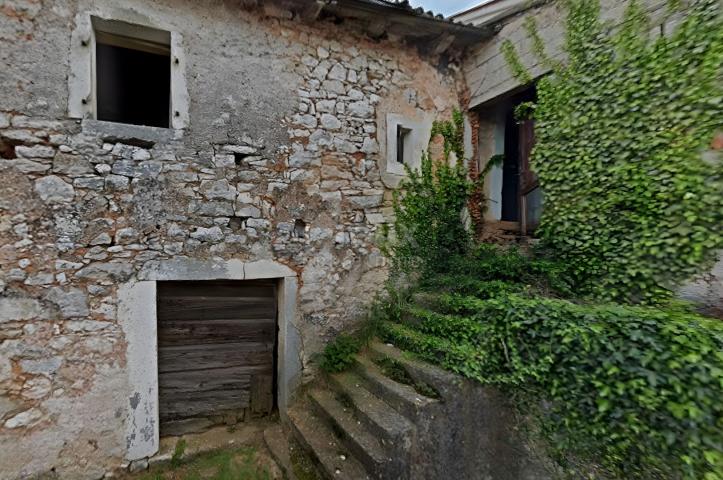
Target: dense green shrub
(488,267)
(636,388)
(631,206)
(429,229)
(338,355)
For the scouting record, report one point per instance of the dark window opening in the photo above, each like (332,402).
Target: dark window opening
(299,228)
(403,135)
(238,158)
(238,223)
(133,80)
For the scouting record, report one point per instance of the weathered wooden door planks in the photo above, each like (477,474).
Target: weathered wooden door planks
(216,347)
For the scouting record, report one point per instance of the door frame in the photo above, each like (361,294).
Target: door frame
(137,318)
(528,180)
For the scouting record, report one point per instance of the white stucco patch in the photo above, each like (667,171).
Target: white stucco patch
(137,318)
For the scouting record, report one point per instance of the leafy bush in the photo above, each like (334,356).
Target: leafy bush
(429,229)
(492,264)
(635,388)
(339,354)
(631,206)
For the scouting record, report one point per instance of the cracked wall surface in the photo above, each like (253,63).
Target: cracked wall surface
(280,162)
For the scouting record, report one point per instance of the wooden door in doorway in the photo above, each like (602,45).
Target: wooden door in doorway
(216,349)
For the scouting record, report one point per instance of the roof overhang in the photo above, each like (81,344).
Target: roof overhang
(492,12)
(385,19)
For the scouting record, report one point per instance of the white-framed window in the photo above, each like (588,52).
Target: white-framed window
(126,73)
(407,139)
(132,74)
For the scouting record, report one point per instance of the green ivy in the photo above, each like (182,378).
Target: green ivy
(632,206)
(428,207)
(453,133)
(635,390)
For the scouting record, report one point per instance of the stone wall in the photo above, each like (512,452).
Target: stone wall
(280,162)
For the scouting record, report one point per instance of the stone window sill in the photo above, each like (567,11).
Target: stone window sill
(131,134)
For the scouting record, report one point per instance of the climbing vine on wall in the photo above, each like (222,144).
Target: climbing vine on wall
(429,228)
(633,199)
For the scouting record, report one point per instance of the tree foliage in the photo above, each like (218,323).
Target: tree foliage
(632,206)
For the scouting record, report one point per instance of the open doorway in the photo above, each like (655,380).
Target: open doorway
(513,188)
(217,344)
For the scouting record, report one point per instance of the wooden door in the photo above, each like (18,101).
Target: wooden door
(530,193)
(216,349)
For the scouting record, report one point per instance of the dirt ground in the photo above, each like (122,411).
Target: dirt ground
(224,453)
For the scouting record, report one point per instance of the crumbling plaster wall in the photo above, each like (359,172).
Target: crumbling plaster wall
(284,126)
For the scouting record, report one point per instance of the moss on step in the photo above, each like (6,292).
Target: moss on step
(302,466)
(396,371)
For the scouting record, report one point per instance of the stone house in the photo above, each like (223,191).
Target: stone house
(170,157)
(159,155)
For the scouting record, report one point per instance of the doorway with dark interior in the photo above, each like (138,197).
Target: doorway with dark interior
(521,196)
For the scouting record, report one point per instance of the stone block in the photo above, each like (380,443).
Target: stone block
(72,302)
(365,201)
(14,309)
(36,151)
(25,165)
(330,122)
(212,235)
(24,419)
(41,366)
(66,164)
(53,189)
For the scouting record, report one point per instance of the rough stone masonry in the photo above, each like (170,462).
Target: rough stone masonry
(280,161)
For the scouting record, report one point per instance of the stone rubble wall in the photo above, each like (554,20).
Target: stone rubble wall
(280,162)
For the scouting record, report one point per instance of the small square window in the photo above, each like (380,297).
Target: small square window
(132,74)
(406,140)
(404,136)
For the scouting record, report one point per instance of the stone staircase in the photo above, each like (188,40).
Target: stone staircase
(360,424)
(394,418)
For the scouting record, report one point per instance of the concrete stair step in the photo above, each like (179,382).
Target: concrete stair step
(377,416)
(316,436)
(403,398)
(375,456)
(442,381)
(277,443)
